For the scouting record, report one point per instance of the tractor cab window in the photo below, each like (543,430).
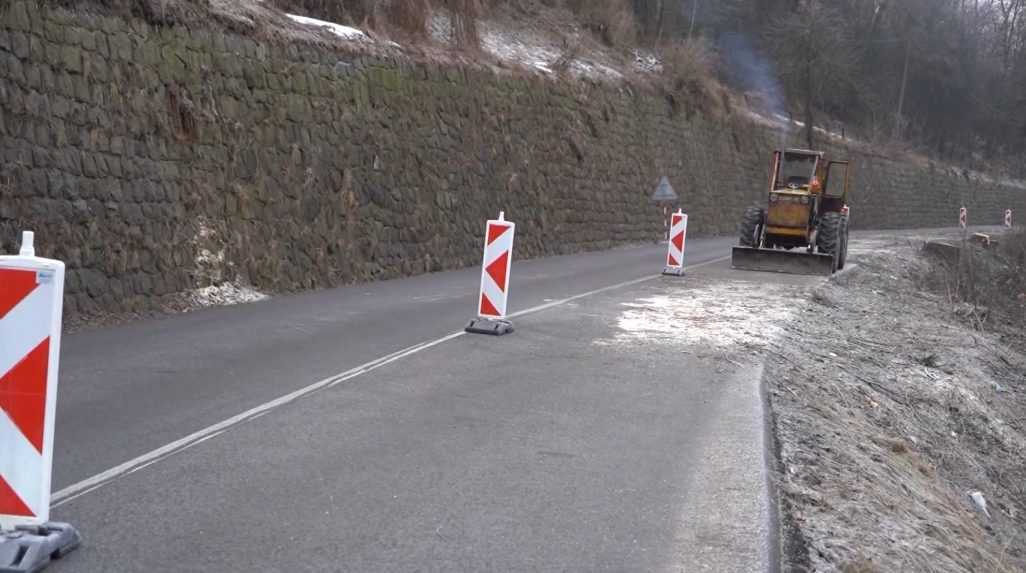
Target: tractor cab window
(837,179)
(796,170)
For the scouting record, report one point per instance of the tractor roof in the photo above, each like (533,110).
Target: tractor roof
(803,151)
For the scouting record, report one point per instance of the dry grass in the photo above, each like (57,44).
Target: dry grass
(861,565)
(611,20)
(880,441)
(157,12)
(463,15)
(688,68)
(407,17)
(986,287)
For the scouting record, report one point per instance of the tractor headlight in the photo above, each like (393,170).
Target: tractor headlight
(805,199)
(774,197)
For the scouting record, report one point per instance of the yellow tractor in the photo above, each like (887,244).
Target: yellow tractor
(804,228)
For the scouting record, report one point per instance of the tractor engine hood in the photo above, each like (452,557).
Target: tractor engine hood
(789,208)
(801,195)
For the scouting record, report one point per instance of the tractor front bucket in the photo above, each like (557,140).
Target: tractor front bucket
(776,261)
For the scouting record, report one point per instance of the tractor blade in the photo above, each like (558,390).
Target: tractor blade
(771,260)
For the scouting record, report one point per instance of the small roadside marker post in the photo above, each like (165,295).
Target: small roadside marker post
(963,223)
(495,271)
(1008,218)
(677,244)
(31,301)
(665,195)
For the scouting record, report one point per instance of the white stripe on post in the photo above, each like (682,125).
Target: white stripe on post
(21,467)
(24,328)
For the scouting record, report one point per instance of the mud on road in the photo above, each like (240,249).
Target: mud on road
(889,408)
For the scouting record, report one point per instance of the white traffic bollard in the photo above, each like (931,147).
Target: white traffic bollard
(963,218)
(495,267)
(678,237)
(31,302)
(1008,218)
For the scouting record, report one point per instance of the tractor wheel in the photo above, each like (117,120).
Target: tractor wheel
(830,238)
(842,257)
(750,230)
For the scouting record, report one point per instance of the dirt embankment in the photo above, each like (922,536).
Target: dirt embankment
(895,401)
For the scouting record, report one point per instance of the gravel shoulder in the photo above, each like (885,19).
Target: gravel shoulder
(890,408)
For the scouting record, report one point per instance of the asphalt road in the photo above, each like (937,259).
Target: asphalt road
(130,389)
(563,447)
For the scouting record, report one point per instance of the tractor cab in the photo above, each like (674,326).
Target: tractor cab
(797,169)
(805,185)
(807,209)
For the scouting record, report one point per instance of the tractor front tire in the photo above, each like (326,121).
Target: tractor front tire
(750,231)
(830,236)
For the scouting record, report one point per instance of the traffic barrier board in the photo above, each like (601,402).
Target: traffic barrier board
(31,297)
(31,302)
(495,274)
(677,244)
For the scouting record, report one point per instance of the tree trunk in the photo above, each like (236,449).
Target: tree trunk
(659,25)
(809,131)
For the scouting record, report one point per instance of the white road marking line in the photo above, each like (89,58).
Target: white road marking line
(101,479)
(559,302)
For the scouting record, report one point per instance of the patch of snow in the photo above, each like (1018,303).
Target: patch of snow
(525,47)
(723,316)
(224,295)
(206,257)
(781,121)
(646,61)
(828,133)
(541,66)
(592,69)
(512,47)
(204,230)
(761,119)
(210,254)
(337,29)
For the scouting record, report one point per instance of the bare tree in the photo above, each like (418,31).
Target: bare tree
(816,58)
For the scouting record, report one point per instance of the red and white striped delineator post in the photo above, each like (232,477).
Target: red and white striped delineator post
(1008,218)
(678,236)
(963,218)
(31,301)
(495,267)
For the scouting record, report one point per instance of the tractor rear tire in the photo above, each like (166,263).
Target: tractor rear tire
(842,258)
(830,236)
(750,230)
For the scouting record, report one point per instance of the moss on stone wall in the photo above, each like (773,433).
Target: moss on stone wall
(155,160)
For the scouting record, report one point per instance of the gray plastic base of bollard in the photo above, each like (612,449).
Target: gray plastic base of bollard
(493,326)
(31,549)
(673,271)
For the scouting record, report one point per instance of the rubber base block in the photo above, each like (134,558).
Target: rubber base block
(492,326)
(30,549)
(673,271)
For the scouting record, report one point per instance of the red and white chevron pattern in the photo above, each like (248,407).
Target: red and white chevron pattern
(26,321)
(498,257)
(678,235)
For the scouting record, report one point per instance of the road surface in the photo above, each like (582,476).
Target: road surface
(570,445)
